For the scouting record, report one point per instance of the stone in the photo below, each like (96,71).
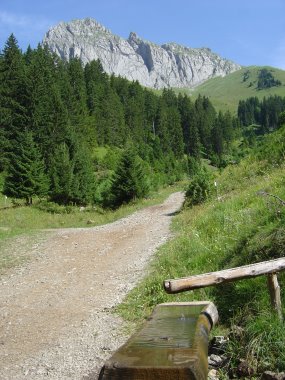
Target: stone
(155,66)
(218,345)
(269,375)
(213,374)
(216,361)
(244,369)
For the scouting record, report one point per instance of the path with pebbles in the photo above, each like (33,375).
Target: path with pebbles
(55,311)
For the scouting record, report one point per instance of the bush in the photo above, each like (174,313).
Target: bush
(54,208)
(200,188)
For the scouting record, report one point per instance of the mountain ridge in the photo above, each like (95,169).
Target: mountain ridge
(153,65)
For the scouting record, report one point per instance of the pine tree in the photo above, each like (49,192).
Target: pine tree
(134,113)
(111,130)
(13,95)
(217,135)
(206,116)
(47,112)
(175,131)
(83,179)
(129,181)
(61,174)
(96,85)
(78,96)
(26,175)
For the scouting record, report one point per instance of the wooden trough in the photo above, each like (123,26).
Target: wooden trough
(172,344)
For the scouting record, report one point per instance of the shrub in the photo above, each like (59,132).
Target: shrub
(200,188)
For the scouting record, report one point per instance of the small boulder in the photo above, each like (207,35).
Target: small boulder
(213,374)
(269,375)
(216,361)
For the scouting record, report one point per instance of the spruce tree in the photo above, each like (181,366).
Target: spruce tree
(129,180)
(78,96)
(26,175)
(13,94)
(112,129)
(189,126)
(61,174)
(83,179)
(47,112)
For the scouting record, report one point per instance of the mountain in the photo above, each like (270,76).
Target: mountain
(225,93)
(168,65)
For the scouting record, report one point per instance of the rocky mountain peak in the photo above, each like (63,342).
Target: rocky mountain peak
(168,65)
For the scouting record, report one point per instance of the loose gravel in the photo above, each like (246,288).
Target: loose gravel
(56,319)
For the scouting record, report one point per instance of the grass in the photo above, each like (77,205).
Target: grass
(226,92)
(236,228)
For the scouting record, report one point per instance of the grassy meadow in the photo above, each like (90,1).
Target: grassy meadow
(237,226)
(225,93)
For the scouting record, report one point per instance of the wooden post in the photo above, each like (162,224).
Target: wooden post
(274,291)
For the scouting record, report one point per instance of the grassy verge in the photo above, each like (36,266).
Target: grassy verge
(238,227)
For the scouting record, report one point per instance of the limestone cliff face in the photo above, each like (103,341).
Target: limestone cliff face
(169,65)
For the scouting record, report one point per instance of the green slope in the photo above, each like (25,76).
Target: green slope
(226,92)
(241,223)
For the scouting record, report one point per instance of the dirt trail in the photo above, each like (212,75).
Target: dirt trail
(55,319)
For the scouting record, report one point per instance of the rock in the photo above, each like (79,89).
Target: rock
(268,375)
(213,374)
(216,361)
(218,345)
(169,65)
(244,369)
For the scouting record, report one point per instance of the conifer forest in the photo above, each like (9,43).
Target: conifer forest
(75,135)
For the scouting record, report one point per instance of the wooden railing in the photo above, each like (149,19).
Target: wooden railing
(269,268)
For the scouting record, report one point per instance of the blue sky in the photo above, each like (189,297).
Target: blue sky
(249,32)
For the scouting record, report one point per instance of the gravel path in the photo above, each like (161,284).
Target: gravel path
(55,311)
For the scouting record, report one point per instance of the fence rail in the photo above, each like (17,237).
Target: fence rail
(269,268)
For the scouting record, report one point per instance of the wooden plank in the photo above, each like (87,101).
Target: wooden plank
(274,291)
(223,276)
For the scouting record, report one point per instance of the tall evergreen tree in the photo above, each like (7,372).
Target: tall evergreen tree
(61,174)
(77,102)
(111,130)
(129,181)
(206,115)
(189,126)
(83,179)
(26,175)
(13,95)
(175,131)
(47,112)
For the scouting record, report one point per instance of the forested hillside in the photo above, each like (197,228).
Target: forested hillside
(65,130)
